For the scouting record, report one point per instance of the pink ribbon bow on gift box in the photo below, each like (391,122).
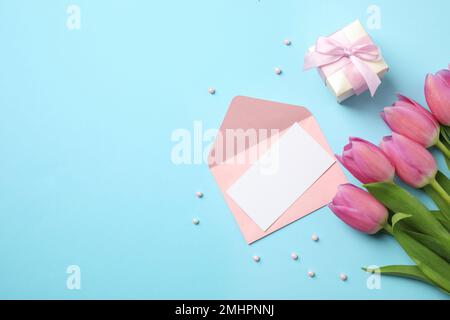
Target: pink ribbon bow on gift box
(352,57)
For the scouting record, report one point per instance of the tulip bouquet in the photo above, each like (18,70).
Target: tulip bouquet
(422,233)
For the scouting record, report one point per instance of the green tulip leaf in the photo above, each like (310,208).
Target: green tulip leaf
(412,272)
(445,139)
(398,199)
(444,181)
(445,134)
(431,243)
(438,200)
(442,219)
(399,217)
(441,248)
(435,268)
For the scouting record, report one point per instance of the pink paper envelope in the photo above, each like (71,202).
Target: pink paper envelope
(273,119)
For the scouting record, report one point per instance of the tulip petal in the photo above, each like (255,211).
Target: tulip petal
(369,158)
(413,163)
(366,161)
(351,195)
(437,93)
(349,163)
(412,124)
(445,76)
(408,102)
(403,169)
(359,209)
(355,219)
(408,173)
(413,153)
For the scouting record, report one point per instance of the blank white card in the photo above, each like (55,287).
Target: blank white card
(281,176)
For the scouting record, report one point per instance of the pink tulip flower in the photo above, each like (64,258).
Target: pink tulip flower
(359,209)
(366,162)
(413,163)
(410,119)
(437,93)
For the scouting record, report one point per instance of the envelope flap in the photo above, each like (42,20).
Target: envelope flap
(252,120)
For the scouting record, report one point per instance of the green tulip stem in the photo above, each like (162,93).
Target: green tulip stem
(438,188)
(443,149)
(388,229)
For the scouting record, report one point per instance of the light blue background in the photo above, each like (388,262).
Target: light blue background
(86,118)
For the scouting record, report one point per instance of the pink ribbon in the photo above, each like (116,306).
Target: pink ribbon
(330,51)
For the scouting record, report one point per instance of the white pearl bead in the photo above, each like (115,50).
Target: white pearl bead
(196,221)
(343,277)
(315,237)
(212,91)
(287,42)
(278,71)
(311,274)
(199,194)
(257,258)
(294,256)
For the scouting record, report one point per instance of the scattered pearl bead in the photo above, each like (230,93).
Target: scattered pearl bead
(315,237)
(343,277)
(287,42)
(196,221)
(311,274)
(294,256)
(199,194)
(278,71)
(257,258)
(212,91)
